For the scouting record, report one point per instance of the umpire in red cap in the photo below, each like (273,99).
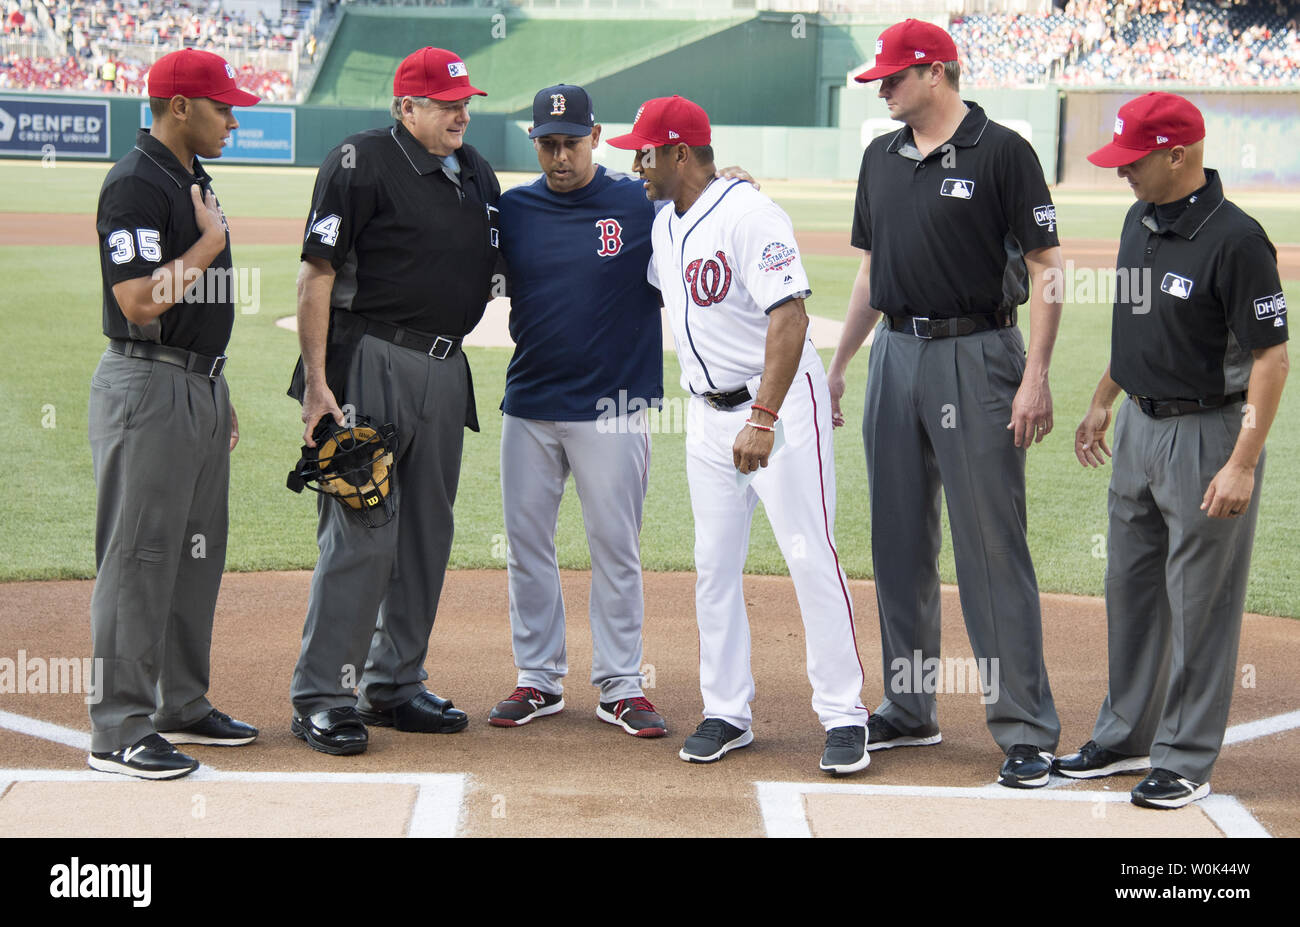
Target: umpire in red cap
(1198,342)
(397,262)
(958,229)
(162,428)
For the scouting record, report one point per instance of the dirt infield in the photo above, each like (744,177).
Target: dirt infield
(20,228)
(571,774)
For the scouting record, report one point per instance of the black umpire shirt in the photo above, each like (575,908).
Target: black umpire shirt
(409,245)
(1196,291)
(146,219)
(948,233)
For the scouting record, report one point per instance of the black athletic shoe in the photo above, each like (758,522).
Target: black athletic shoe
(150,757)
(1026,767)
(1094,761)
(216,730)
(846,750)
(712,739)
(881,735)
(1163,788)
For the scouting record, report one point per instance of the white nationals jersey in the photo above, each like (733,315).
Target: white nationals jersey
(721,268)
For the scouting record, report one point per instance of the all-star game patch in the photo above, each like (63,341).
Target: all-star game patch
(777,256)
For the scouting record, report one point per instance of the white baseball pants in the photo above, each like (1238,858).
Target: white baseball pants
(797,489)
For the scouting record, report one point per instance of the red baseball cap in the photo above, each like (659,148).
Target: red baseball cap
(907,43)
(666,121)
(434,73)
(1154,120)
(193,73)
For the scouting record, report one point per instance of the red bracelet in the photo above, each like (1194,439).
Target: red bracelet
(765,409)
(753,424)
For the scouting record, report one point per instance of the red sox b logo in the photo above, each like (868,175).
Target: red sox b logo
(709,280)
(611,237)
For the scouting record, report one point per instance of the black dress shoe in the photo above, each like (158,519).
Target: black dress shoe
(336,731)
(426,713)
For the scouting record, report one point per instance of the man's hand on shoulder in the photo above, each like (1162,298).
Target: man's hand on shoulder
(737,173)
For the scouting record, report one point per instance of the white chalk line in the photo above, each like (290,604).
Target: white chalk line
(781,804)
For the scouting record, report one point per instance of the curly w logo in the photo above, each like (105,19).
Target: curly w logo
(708,280)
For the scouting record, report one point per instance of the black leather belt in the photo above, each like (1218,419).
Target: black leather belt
(726,401)
(439,347)
(1164,408)
(950,328)
(210,367)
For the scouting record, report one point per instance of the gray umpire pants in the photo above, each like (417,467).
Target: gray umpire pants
(1175,589)
(610,461)
(160,445)
(936,417)
(374,592)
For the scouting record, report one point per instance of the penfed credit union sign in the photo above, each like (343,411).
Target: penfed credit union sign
(35,125)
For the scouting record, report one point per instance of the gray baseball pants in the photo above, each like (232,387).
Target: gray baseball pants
(610,460)
(160,446)
(374,592)
(1175,589)
(936,417)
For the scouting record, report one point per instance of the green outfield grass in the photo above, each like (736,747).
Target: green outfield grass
(50,342)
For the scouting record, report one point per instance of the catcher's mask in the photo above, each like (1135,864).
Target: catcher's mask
(353,465)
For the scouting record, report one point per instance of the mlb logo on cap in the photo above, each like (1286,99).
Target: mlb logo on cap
(457,69)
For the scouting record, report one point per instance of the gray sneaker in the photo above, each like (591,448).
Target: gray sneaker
(712,739)
(846,750)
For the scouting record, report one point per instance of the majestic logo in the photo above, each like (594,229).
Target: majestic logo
(457,69)
(558,103)
(610,233)
(708,280)
(1271,307)
(777,256)
(1045,216)
(230,72)
(955,186)
(1178,286)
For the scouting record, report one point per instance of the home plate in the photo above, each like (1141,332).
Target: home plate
(794,809)
(209,803)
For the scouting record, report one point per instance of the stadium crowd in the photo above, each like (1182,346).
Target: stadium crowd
(108,45)
(1228,43)
(1211,43)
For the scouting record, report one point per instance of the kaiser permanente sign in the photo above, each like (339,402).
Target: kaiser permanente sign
(39,125)
(265,134)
